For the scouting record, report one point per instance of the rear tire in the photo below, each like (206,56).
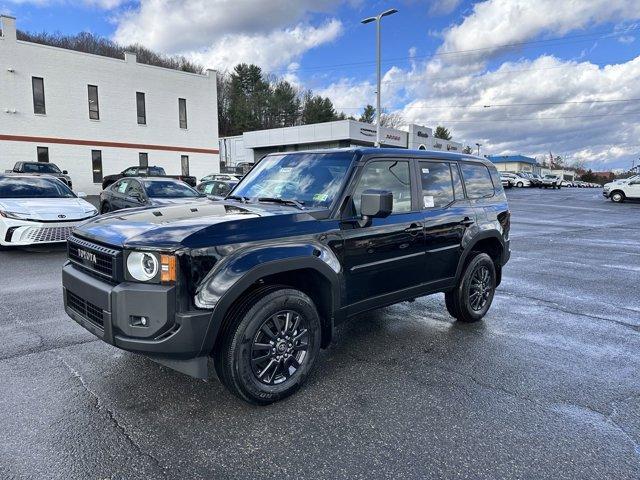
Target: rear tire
(471,299)
(617,197)
(519,185)
(269,344)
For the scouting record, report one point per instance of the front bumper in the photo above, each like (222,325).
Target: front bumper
(113,313)
(15,232)
(605,193)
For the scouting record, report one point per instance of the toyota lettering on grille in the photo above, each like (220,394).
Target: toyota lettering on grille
(84,255)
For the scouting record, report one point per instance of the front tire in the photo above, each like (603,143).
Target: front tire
(471,299)
(269,345)
(105,208)
(617,197)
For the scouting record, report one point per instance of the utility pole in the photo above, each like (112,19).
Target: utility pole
(377,19)
(478,145)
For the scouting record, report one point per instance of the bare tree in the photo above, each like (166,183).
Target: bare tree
(392,120)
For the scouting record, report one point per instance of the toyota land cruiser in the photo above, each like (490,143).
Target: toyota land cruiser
(258,282)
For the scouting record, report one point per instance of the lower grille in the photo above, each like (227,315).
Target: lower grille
(87,309)
(46,234)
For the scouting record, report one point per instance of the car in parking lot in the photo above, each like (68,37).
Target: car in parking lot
(146,192)
(535,180)
(551,181)
(518,180)
(216,189)
(224,177)
(306,240)
(621,190)
(38,209)
(149,171)
(42,168)
(506,181)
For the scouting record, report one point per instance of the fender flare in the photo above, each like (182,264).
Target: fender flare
(241,272)
(470,247)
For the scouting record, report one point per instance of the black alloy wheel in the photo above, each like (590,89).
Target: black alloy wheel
(471,299)
(280,347)
(480,288)
(268,344)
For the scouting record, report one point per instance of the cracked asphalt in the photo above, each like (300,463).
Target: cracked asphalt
(546,387)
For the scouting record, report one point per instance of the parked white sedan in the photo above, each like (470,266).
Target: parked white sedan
(36,210)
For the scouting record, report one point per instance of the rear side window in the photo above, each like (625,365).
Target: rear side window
(437,188)
(477,179)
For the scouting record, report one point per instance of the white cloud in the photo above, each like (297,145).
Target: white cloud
(182,25)
(222,33)
(626,39)
(270,50)
(498,22)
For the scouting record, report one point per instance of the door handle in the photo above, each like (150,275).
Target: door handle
(467,222)
(414,228)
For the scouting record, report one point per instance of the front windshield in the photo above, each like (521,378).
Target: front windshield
(168,189)
(40,168)
(21,187)
(311,179)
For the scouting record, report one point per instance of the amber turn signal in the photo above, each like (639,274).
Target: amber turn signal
(167,268)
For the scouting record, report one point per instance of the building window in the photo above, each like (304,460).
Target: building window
(94,109)
(142,110)
(143,159)
(43,154)
(184,161)
(182,109)
(38,95)
(96,165)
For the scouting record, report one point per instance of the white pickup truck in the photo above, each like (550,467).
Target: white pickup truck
(620,190)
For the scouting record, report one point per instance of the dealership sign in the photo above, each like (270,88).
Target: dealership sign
(367,133)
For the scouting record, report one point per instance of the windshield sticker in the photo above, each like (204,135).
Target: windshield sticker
(320,197)
(286,169)
(428,201)
(425,171)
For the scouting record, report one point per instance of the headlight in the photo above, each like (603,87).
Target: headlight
(14,215)
(91,212)
(142,266)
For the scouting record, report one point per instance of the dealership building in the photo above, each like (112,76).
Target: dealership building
(252,146)
(94,115)
(515,163)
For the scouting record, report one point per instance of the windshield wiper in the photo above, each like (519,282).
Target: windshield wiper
(282,201)
(237,197)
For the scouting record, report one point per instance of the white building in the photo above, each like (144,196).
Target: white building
(94,115)
(252,146)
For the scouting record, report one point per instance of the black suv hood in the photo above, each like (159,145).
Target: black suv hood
(184,225)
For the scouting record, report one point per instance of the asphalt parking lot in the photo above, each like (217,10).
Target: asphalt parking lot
(546,387)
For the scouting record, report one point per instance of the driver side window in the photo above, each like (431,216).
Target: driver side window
(389,175)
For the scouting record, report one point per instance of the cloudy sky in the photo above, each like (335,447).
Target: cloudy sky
(518,76)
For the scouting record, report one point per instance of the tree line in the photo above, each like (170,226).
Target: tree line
(249,99)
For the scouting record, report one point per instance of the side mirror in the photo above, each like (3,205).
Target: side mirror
(81,195)
(376,204)
(64,172)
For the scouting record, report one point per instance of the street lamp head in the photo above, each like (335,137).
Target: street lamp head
(391,11)
(368,20)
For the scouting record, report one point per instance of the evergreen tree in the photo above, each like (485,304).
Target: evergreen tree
(442,133)
(368,115)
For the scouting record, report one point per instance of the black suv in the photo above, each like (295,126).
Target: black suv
(259,280)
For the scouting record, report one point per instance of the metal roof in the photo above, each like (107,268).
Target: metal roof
(511,158)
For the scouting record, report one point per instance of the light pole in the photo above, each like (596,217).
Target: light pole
(377,19)
(478,145)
